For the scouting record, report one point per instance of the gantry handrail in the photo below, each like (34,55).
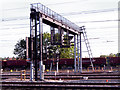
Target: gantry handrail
(50,13)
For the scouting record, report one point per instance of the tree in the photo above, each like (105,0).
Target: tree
(20,49)
(111,55)
(67,52)
(103,55)
(118,54)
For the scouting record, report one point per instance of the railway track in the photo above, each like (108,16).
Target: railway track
(61,84)
(64,81)
(69,76)
(66,74)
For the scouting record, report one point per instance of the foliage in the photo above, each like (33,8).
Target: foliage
(111,55)
(118,54)
(20,49)
(46,40)
(67,52)
(103,55)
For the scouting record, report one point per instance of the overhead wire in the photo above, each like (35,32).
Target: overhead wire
(46,5)
(79,22)
(90,12)
(13,19)
(71,13)
(98,21)
(15,8)
(28,27)
(63,3)
(13,28)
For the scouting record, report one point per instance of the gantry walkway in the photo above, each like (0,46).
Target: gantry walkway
(52,18)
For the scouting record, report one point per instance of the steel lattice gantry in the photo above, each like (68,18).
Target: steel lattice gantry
(41,14)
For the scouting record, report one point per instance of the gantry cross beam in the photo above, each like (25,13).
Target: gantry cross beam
(54,19)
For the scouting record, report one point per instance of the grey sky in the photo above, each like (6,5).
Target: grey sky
(103,33)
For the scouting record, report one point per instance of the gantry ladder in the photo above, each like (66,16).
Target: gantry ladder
(88,46)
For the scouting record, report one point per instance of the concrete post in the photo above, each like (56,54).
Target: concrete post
(50,66)
(31,71)
(41,72)
(57,66)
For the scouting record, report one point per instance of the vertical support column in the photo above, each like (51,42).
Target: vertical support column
(60,30)
(27,50)
(31,71)
(51,66)
(58,37)
(35,47)
(80,54)
(41,67)
(74,53)
(30,52)
(30,43)
(61,36)
(40,44)
(52,29)
(78,51)
(68,41)
(52,35)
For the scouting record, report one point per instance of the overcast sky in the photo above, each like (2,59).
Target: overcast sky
(98,16)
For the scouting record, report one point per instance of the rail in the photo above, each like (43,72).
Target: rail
(61,84)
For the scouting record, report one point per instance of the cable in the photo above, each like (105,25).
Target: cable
(25,26)
(46,5)
(14,28)
(29,27)
(13,19)
(72,13)
(90,12)
(98,21)
(15,8)
(102,27)
(75,1)
(17,25)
